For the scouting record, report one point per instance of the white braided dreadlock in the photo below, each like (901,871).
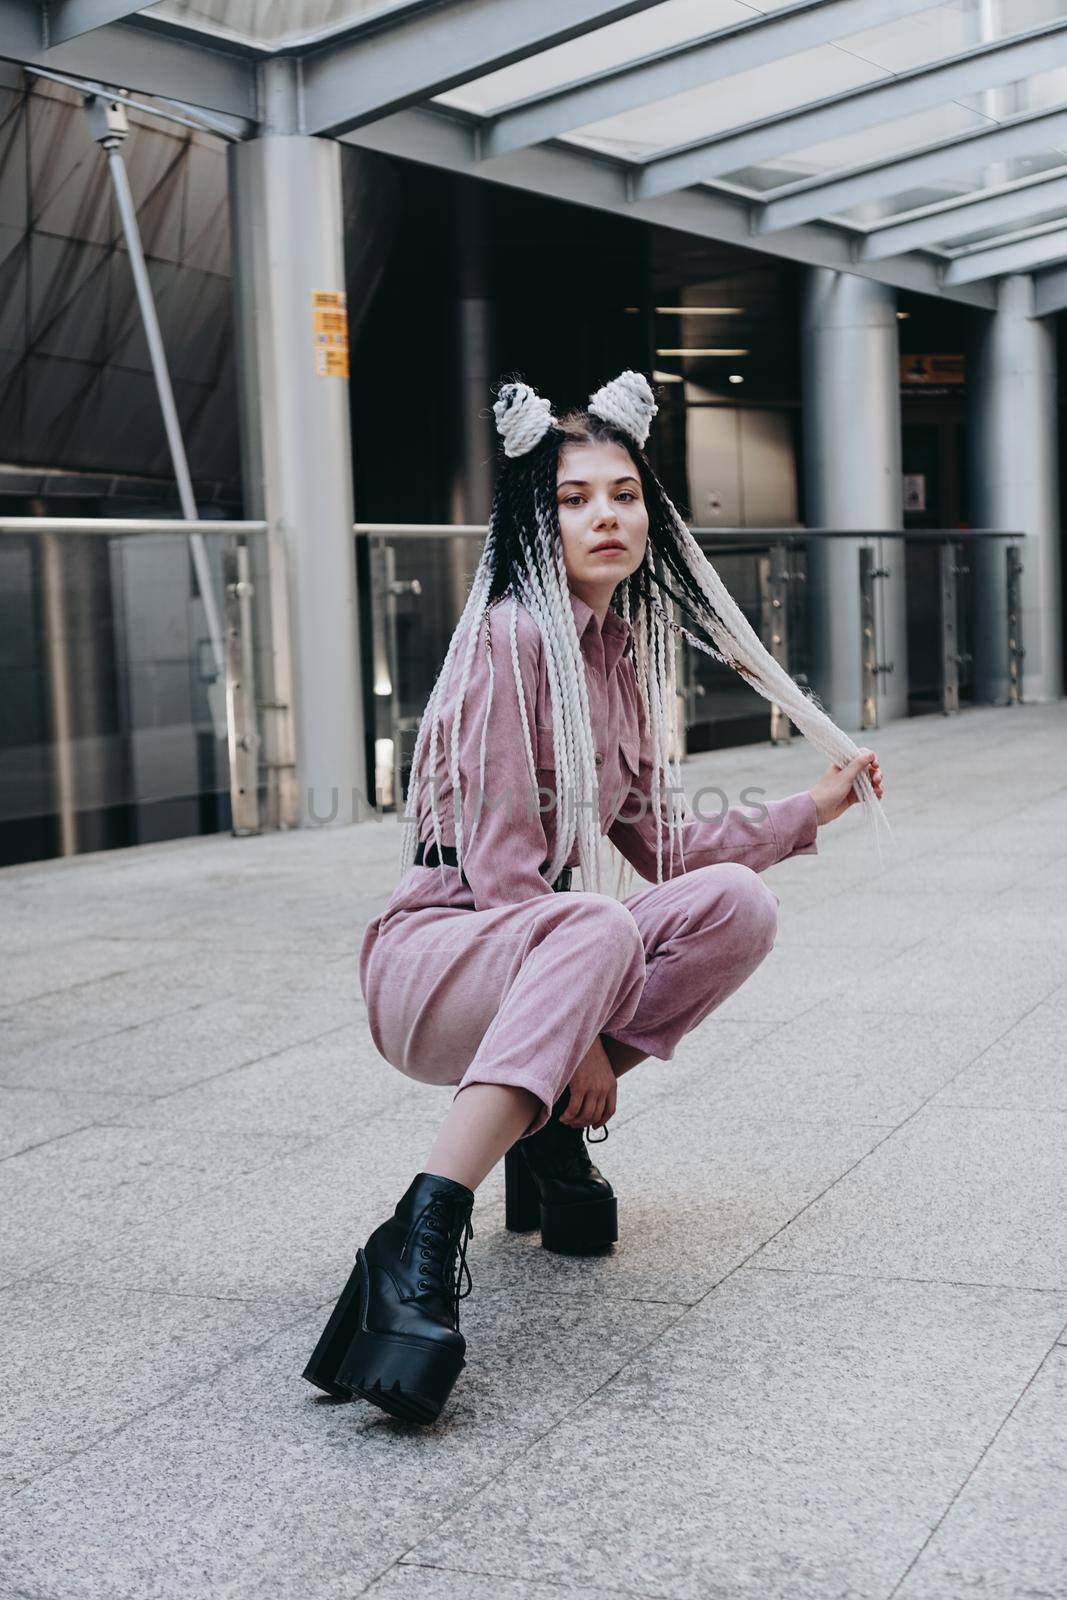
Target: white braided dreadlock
(523,417)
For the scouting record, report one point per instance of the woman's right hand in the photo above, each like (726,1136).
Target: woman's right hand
(834,792)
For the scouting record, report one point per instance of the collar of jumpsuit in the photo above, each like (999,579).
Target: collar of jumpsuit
(615,638)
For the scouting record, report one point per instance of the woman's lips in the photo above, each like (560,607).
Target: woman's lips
(612,548)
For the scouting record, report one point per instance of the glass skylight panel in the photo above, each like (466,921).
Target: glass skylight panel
(729,103)
(971,180)
(268,22)
(883,142)
(987,236)
(1041,92)
(673,22)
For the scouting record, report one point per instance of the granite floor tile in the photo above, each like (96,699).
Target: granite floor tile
(34,1116)
(313,1087)
(956,1195)
(697,1193)
(718,1046)
(408,1582)
(969,977)
(792,979)
(86,1189)
(290,1234)
(899,920)
(259,1488)
(1022,913)
(102,1007)
(792,1436)
(172,1051)
(1022,1070)
(835,1062)
(1045,877)
(109,1355)
(42,968)
(936,870)
(1003,1538)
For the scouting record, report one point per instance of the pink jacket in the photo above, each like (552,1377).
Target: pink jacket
(515,834)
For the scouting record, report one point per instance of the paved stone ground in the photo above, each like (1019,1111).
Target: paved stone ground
(827,1358)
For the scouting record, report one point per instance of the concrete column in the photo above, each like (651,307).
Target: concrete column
(288,230)
(474,442)
(1014,470)
(851,395)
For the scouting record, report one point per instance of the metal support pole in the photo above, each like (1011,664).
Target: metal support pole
(1016,651)
(62,721)
(108,124)
(950,568)
(871,669)
(241,692)
(774,580)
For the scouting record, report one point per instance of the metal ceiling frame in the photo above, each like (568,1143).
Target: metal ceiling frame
(835,191)
(983,66)
(690,65)
(371,82)
(426,52)
(1037,249)
(951,219)
(1050,291)
(67,19)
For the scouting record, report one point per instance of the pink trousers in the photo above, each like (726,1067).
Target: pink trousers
(516,994)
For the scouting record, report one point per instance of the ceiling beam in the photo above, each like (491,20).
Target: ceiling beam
(929,225)
(897,95)
(1050,291)
(1023,255)
(132,55)
(66,19)
(413,56)
(561,172)
(691,65)
(834,192)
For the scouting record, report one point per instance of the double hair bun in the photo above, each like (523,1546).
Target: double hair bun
(523,417)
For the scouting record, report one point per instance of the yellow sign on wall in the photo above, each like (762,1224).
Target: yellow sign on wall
(932,369)
(329,333)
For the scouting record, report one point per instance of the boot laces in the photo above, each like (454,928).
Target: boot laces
(437,1236)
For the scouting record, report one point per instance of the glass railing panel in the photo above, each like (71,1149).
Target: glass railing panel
(113,724)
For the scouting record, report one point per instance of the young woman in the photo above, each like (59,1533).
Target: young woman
(550,727)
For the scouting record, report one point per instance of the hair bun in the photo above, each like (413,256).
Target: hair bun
(627,402)
(523,417)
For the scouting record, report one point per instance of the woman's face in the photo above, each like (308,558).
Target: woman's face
(602,517)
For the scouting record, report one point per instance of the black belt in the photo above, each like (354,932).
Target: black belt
(426,856)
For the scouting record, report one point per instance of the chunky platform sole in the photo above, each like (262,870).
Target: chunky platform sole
(335,1339)
(579,1229)
(410,1378)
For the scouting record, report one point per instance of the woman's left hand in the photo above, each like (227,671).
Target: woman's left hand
(834,792)
(594,1088)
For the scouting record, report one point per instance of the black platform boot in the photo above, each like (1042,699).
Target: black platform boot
(550,1181)
(393,1337)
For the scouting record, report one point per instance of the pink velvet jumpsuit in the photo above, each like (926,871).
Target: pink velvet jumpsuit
(501,979)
